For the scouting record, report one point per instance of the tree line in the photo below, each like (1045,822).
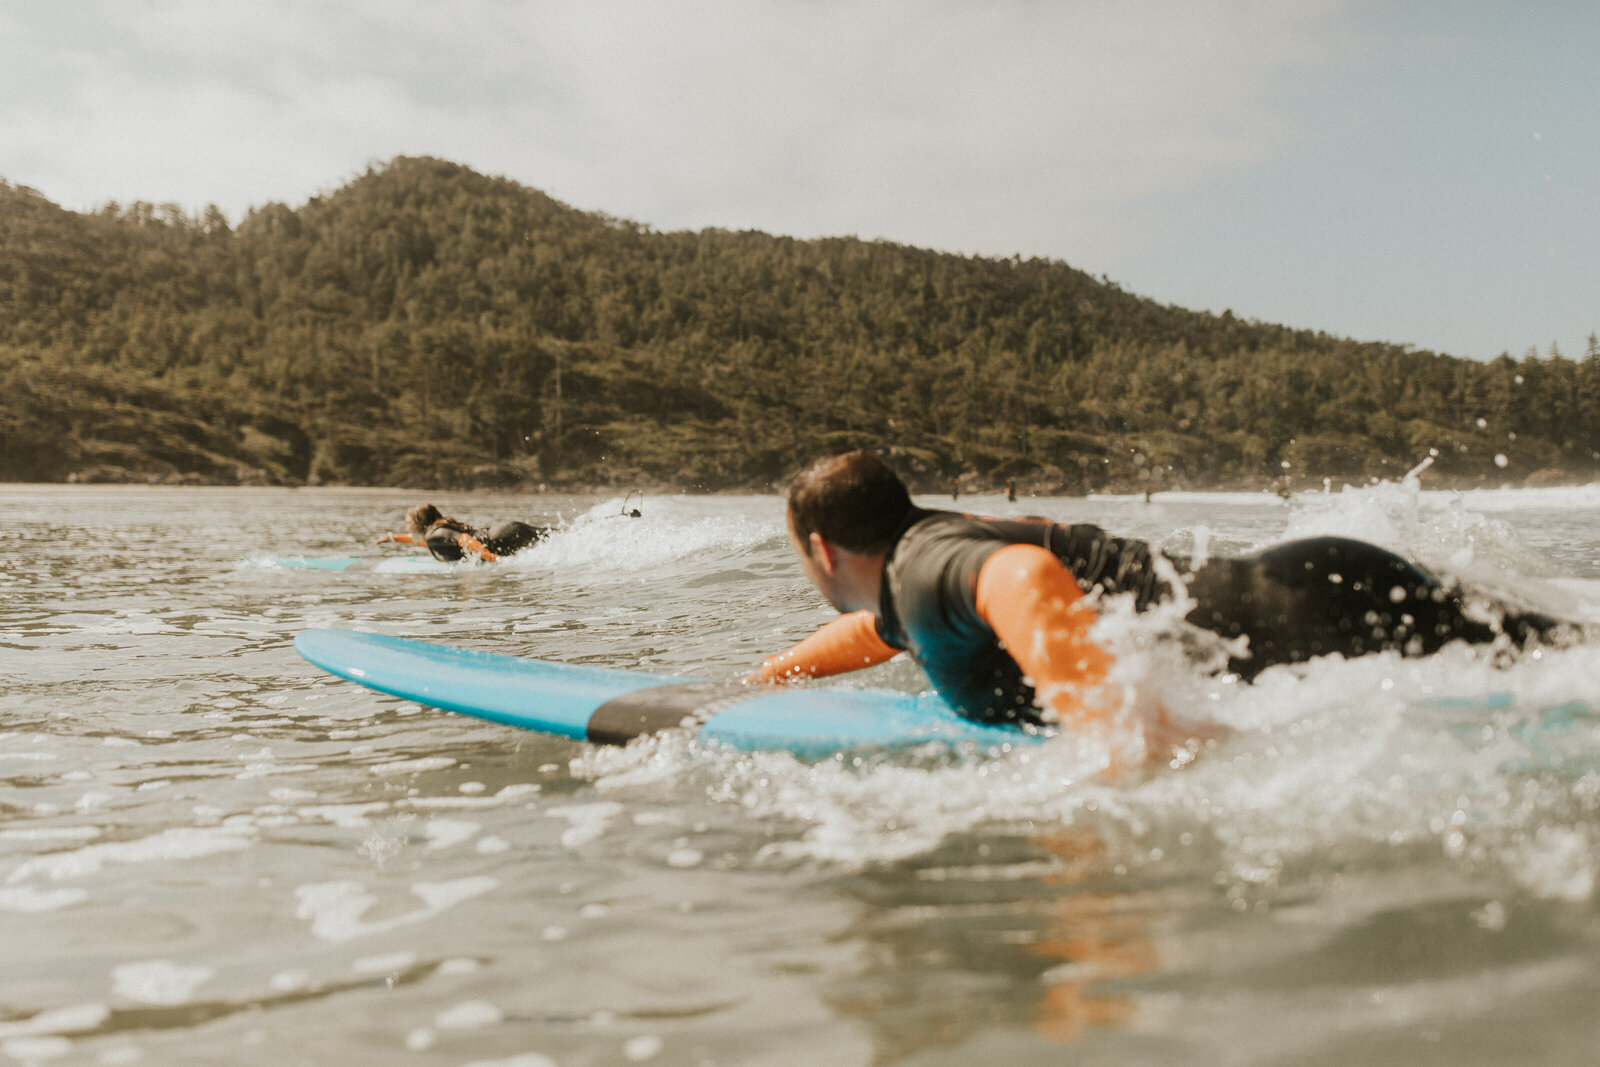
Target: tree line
(427,325)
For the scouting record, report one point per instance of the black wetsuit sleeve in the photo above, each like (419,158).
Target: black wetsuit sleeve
(1110,564)
(1100,562)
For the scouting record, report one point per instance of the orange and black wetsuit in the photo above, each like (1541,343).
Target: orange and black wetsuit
(986,613)
(948,593)
(451,540)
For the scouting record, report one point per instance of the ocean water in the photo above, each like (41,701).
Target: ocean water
(211,852)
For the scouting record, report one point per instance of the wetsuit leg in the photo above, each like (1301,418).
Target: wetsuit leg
(1332,594)
(508,537)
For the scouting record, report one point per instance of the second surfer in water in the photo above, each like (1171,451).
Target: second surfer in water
(451,539)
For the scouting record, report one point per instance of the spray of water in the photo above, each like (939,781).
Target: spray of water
(1484,759)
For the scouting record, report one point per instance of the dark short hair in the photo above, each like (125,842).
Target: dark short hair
(853,499)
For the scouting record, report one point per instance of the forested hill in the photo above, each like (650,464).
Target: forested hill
(429,326)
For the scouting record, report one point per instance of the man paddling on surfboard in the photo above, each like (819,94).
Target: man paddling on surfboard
(997,612)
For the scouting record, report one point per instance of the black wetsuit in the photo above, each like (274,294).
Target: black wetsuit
(1292,601)
(443,538)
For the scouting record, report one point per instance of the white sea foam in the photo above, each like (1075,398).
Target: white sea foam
(27,899)
(588,821)
(347,816)
(414,766)
(179,843)
(289,981)
(57,1021)
(390,961)
(603,545)
(90,801)
(469,1015)
(524,1059)
(1443,534)
(266,770)
(449,803)
(1555,498)
(336,910)
(35,1050)
(643,1048)
(442,895)
(50,833)
(159,981)
(442,833)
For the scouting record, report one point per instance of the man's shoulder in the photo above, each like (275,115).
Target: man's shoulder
(926,526)
(1033,529)
(935,543)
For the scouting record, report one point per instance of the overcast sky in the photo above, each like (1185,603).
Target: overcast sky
(1410,171)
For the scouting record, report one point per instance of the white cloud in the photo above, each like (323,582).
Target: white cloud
(993,126)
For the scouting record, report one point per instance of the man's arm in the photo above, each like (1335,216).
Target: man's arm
(848,643)
(1041,616)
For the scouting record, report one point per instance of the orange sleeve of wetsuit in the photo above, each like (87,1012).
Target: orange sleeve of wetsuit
(399,539)
(848,643)
(1036,608)
(469,543)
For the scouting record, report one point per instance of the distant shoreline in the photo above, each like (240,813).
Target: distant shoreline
(1431,481)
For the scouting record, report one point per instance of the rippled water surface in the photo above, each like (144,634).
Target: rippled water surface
(210,852)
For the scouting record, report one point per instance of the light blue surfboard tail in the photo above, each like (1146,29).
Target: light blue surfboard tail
(556,698)
(379,565)
(313,563)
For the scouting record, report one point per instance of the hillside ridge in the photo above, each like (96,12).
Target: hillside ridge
(431,326)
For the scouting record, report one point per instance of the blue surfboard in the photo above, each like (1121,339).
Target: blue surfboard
(615,706)
(386,565)
(314,563)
